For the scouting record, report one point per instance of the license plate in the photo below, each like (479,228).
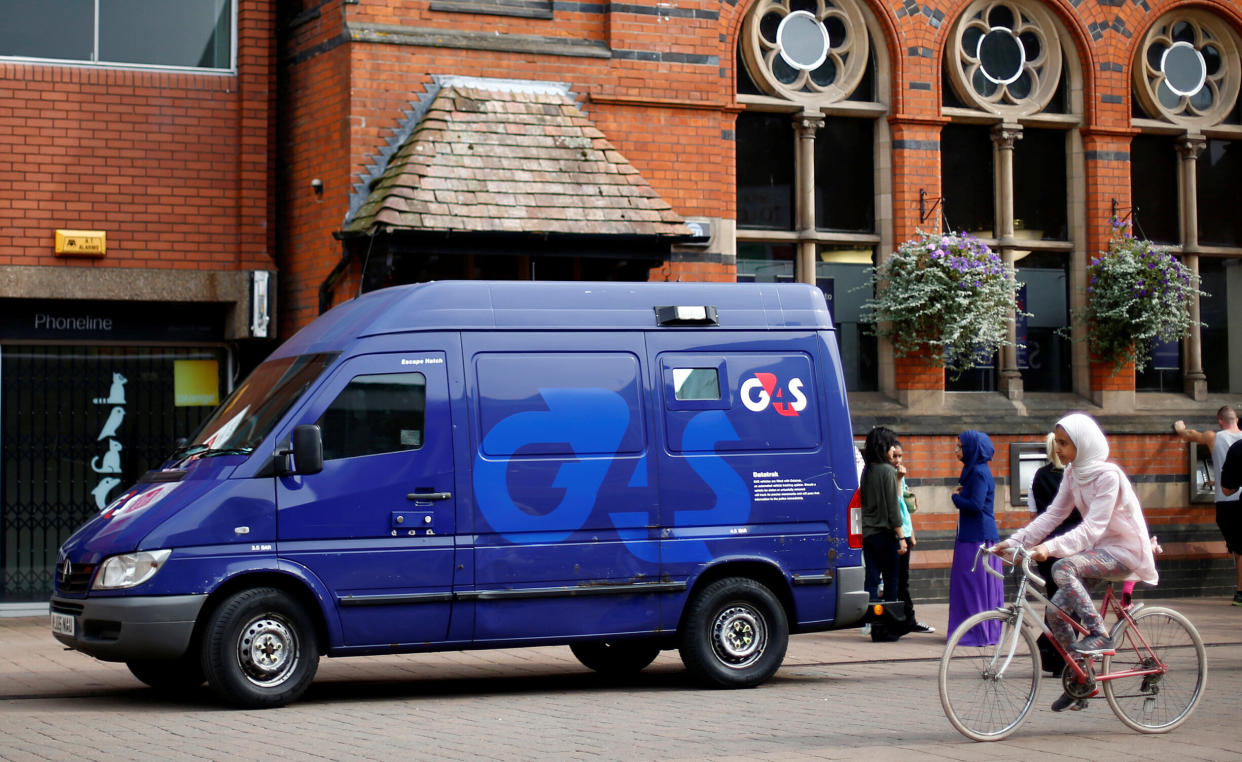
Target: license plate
(62,624)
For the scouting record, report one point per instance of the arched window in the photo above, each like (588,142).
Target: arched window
(1185,192)
(1012,94)
(812,85)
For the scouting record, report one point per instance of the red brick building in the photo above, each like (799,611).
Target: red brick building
(137,246)
(357,143)
(801,140)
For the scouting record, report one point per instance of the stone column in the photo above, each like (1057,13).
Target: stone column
(1004,136)
(806,124)
(1188,150)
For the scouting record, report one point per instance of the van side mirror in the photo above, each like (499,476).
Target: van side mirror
(307,449)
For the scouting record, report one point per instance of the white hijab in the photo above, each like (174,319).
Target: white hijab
(1092,446)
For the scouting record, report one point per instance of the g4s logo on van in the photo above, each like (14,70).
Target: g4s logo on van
(765,389)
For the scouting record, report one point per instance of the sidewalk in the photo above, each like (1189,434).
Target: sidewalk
(33,663)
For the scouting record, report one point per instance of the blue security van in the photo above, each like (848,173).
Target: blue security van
(617,467)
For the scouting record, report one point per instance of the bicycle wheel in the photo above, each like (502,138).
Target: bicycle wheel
(987,691)
(1156,703)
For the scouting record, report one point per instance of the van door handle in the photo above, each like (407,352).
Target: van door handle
(429,496)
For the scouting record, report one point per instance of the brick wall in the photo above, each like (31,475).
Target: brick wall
(660,80)
(174,166)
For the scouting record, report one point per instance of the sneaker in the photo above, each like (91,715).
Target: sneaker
(866,629)
(1068,702)
(921,627)
(1099,645)
(1237,598)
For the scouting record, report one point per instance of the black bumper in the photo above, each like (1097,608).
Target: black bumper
(130,629)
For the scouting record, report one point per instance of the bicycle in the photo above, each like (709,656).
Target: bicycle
(1152,682)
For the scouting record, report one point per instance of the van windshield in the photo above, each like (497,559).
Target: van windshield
(250,412)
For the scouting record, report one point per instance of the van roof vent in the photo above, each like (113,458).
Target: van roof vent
(687,315)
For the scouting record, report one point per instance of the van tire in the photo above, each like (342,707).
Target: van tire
(185,673)
(735,634)
(618,658)
(259,649)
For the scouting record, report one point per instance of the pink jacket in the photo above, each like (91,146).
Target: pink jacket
(1112,520)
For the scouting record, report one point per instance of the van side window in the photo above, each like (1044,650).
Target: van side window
(696,384)
(375,414)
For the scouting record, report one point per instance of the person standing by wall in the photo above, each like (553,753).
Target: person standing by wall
(1228,515)
(1230,475)
(908,504)
(973,591)
(1043,488)
(884,541)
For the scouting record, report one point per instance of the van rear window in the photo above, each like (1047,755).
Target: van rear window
(696,384)
(764,401)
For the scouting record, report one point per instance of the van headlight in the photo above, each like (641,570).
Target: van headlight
(129,569)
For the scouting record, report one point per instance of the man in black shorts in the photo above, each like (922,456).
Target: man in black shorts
(1228,515)
(1230,478)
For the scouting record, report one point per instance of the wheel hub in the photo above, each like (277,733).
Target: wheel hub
(739,636)
(267,651)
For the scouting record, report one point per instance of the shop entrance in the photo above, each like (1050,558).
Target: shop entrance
(79,424)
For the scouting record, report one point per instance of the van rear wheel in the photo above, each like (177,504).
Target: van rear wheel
(259,649)
(735,634)
(623,657)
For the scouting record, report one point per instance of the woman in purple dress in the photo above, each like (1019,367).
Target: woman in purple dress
(973,591)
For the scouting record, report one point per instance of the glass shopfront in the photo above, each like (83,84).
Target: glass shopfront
(80,421)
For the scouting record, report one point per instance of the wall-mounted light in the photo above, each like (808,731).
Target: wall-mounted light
(317,186)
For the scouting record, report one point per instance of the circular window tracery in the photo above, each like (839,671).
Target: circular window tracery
(1004,57)
(814,51)
(1187,70)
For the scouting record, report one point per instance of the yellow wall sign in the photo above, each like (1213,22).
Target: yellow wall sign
(196,383)
(81,243)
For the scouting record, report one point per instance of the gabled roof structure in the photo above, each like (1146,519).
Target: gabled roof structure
(501,156)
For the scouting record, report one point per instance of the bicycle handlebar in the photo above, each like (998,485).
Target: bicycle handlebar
(1021,558)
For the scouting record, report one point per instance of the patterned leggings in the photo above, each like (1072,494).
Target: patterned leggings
(1075,577)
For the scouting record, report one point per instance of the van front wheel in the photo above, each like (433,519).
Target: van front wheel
(735,634)
(259,649)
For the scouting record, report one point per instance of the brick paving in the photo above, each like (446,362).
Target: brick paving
(838,696)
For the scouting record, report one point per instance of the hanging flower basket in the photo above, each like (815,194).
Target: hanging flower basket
(947,295)
(1137,293)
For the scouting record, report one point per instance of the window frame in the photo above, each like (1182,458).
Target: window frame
(94,61)
(422,383)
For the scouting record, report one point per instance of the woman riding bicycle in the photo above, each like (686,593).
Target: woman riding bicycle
(1111,543)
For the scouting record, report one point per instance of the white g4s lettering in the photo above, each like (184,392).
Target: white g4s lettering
(799,401)
(751,403)
(756,396)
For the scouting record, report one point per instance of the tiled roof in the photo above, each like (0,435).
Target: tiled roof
(489,158)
